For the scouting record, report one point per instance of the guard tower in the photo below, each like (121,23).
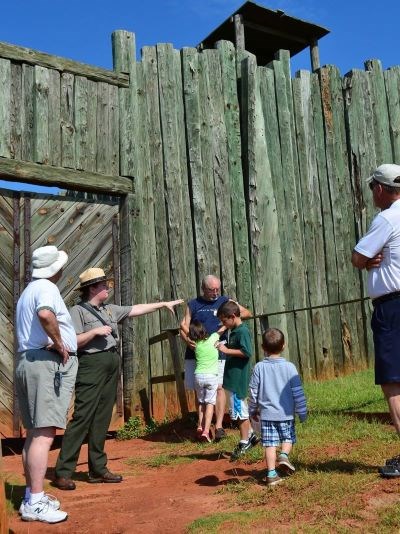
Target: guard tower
(263,32)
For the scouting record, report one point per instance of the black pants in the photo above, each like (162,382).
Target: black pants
(95,394)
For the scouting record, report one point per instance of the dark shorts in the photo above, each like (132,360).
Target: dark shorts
(385,326)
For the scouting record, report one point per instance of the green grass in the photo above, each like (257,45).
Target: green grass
(336,458)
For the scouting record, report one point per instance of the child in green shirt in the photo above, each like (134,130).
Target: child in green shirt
(237,373)
(205,375)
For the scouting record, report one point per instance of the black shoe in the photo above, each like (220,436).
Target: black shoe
(238,451)
(107,477)
(393,461)
(219,434)
(390,471)
(252,442)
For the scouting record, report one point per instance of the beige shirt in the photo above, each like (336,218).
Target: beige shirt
(83,321)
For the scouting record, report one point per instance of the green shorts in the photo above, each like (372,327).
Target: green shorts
(41,402)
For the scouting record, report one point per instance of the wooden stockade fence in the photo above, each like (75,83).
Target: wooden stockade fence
(223,167)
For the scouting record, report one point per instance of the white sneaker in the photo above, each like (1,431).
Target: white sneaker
(53,503)
(43,511)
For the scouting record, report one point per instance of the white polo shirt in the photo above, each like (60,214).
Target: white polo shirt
(39,294)
(383,235)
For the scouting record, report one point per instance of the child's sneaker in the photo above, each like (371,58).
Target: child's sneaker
(53,503)
(241,448)
(238,451)
(205,437)
(42,511)
(273,480)
(253,440)
(284,465)
(199,432)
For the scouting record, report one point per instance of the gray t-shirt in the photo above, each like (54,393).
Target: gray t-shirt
(83,321)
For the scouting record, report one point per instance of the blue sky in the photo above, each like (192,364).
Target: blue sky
(81,29)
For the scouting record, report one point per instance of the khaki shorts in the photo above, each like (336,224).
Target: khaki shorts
(190,366)
(41,403)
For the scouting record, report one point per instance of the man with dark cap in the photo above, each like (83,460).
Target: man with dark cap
(45,376)
(96,326)
(379,252)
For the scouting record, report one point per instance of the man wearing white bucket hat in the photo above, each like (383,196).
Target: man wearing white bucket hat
(45,376)
(379,252)
(96,325)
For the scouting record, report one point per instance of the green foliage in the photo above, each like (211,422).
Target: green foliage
(134,428)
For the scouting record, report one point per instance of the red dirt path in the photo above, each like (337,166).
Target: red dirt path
(149,500)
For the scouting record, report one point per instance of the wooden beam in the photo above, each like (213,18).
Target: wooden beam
(33,57)
(34,173)
(239,32)
(314,54)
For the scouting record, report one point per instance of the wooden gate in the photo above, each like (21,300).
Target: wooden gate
(87,230)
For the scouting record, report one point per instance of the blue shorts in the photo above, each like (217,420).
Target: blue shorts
(273,433)
(385,326)
(238,408)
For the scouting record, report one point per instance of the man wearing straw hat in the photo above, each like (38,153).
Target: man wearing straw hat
(379,252)
(96,326)
(45,376)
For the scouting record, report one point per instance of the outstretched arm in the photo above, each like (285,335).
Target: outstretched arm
(143,309)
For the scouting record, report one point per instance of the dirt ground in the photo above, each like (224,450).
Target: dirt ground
(149,499)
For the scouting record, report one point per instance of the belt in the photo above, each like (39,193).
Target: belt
(85,352)
(384,298)
(56,352)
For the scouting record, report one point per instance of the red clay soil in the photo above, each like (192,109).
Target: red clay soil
(149,500)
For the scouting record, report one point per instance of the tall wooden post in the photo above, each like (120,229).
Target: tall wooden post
(239,32)
(314,53)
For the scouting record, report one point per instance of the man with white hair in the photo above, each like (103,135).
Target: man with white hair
(45,376)
(379,253)
(204,309)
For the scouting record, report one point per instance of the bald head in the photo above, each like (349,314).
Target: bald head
(211,287)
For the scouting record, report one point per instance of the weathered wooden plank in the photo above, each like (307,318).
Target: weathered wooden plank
(113,117)
(27,114)
(360,133)
(41,116)
(266,253)
(124,61)
(342,211)
(81,121)
(33,57)
(392,80)
(159,352)
(54,117)
(235,173)
(150,72)
(383,146)
(103,129)
(290,225)
(67,121)
(312,226)
(331,274)
(59,177)
(5,108)
(222,189)
(186,208)
(176,194)
(199,151)
(16,104)
(124,57)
